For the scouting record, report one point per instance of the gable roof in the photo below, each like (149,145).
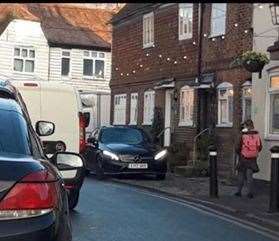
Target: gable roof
(64,25)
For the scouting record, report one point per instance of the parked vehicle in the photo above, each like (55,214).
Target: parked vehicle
(60,103)
(33,200)
(129,150)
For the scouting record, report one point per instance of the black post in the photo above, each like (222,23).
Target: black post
(274,181)
(213,183)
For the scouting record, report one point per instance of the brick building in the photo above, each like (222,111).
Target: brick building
(178,57)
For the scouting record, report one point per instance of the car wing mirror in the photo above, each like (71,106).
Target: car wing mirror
(70,165)
(44,128)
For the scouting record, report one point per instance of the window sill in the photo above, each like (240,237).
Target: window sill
(272,137)
(92,78)
(119,124)
(148,46)
(216,36)
(24,73)
(224,125)
(184,37)
(132,123)
(185,124)
(146,124)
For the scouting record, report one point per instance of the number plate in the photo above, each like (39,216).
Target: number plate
(138,166)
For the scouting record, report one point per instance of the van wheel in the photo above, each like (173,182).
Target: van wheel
(99,169)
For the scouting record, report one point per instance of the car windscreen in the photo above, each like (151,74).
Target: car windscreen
(121,135)
(14,136)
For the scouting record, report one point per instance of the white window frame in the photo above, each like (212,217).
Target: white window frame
(270,92)
(247,86)
(229,88)
(134,103)
(148,108)
(93,58)
(148,30)
(24,59)
(186,120)
(120,109)
(70,65)
(185,9)
(213,18)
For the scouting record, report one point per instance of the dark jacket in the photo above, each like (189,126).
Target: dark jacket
(245,163)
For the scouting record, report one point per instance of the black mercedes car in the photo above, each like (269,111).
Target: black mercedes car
(33,198)
(124,150)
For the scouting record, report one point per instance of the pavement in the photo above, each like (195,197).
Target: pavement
(115,212)
(196,190)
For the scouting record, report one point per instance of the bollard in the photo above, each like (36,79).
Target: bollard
(274,180)
(213,182)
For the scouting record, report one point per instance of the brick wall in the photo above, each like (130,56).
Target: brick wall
(128,54)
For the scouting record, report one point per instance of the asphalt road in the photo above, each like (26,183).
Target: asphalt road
(114,212)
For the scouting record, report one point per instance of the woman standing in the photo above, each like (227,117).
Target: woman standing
(248,148)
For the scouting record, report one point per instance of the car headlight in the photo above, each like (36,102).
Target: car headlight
(111,155)
(160,155)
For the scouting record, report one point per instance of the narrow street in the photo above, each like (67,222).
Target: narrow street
(114,212)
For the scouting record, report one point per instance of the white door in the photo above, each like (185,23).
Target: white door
(167,133)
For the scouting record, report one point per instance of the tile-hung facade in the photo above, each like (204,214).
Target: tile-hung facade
(167,56)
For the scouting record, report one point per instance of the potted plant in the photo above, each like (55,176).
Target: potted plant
(252,61)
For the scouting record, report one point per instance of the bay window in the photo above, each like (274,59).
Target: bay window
(274,105)
(246,101)
(186,106)
(225,104)
(149,104)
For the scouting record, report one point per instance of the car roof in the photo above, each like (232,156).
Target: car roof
(7,89)
(9,105)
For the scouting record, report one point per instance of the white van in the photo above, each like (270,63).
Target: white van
(59,103)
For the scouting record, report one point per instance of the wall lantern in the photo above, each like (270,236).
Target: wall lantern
(274,10)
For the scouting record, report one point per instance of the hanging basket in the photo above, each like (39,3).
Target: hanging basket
(253,66)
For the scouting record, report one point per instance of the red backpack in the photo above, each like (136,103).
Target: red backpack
(250,145)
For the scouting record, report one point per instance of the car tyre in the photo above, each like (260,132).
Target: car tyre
(99,169)
(161,176)
(73,199)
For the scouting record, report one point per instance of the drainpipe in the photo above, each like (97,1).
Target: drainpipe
(201,11)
